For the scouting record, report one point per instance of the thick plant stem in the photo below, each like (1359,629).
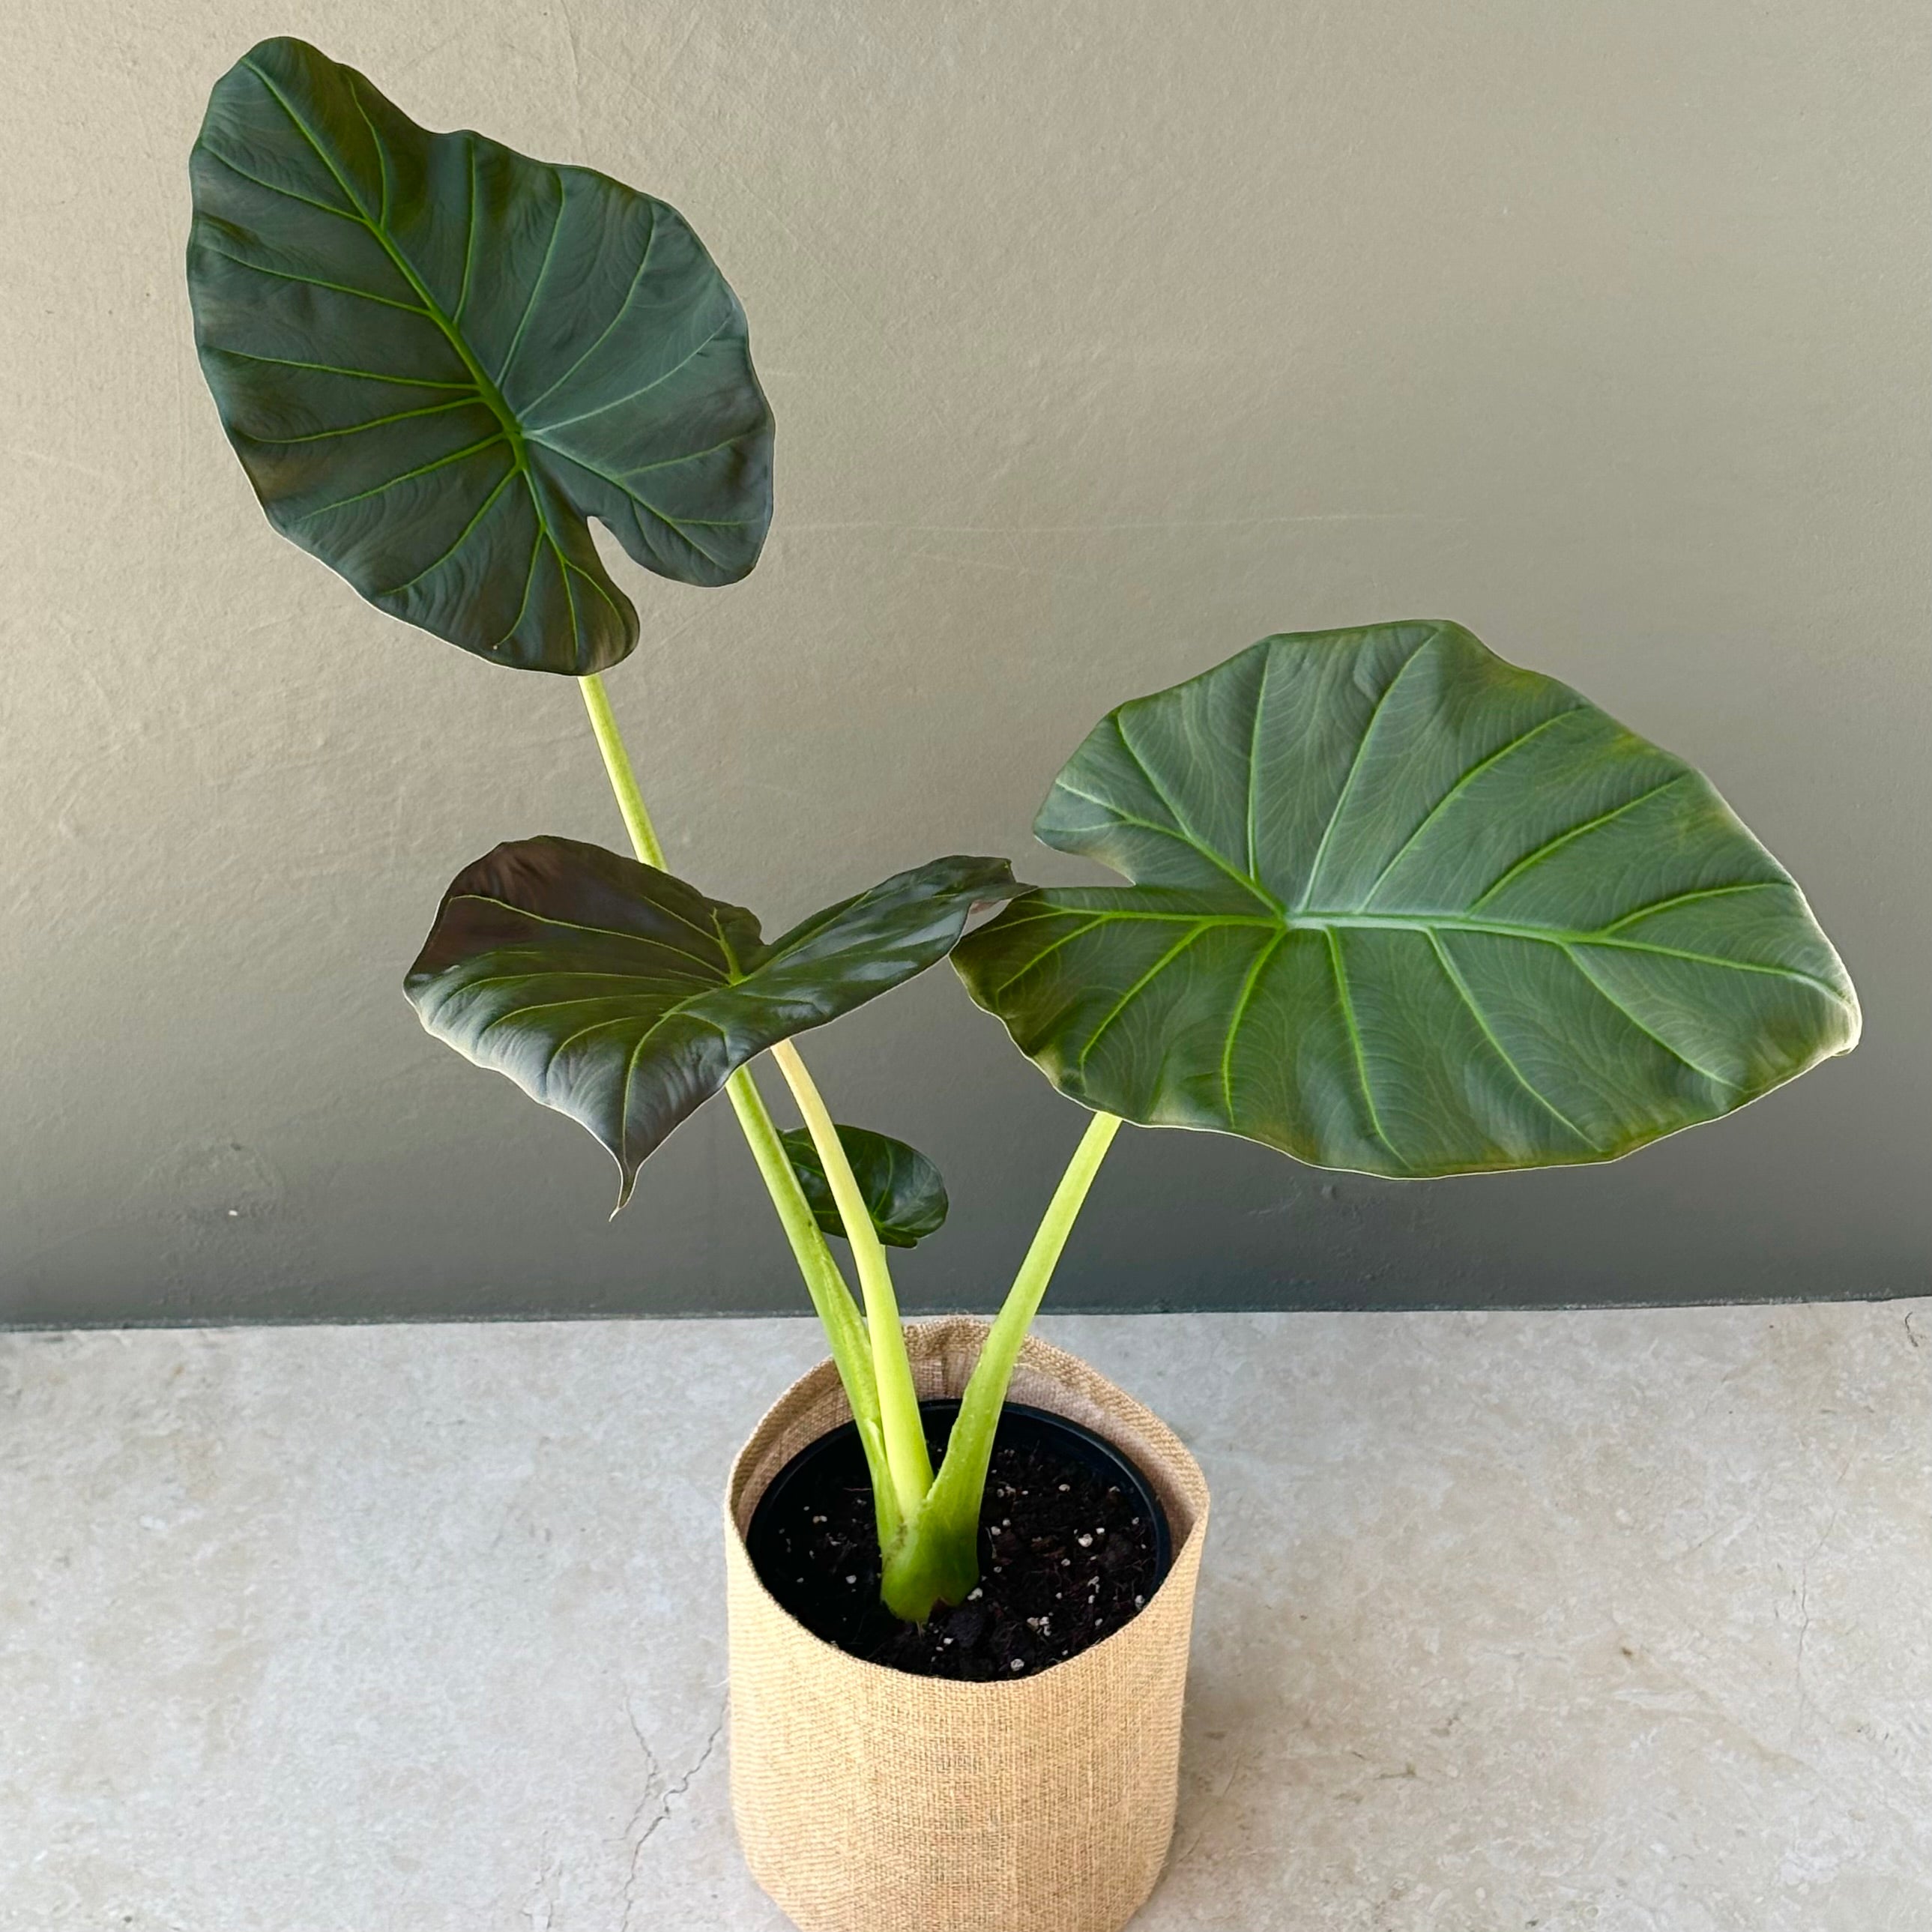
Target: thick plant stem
(824,1282)
(937,1558)
(892,1372)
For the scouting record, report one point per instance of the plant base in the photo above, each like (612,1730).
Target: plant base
(1073,1544)
(871,1800)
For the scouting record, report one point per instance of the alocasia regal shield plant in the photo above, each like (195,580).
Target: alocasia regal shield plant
(1391,903)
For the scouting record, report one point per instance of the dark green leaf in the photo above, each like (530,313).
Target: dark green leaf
(902,1189)
(1403,907)
(625,998)
(436,357)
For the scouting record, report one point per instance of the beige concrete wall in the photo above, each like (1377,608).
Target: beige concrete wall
(1102,340)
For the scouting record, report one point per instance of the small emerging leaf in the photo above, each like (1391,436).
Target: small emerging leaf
(902,1189)
(1400,907)
(625,998)
(436,357)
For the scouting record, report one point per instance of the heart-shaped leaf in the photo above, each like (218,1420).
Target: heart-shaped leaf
(902,1189)
(1403,907)
(436,357)
(625,998)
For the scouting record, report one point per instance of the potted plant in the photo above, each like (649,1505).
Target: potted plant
(1391,904)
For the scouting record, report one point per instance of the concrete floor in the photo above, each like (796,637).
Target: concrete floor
(1614,1621)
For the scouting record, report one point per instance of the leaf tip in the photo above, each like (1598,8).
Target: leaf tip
(627,1180)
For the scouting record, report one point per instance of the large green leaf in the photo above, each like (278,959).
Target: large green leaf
(1403,907)
(436,357)
(625,998)
(902,1188)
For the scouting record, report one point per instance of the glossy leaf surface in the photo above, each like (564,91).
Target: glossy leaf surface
(625,998)
(902,1189)
(1403,907)
(436,357)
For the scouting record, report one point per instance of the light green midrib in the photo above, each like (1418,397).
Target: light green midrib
(488,392)
(1329,929)
(1316,920)
(486,389)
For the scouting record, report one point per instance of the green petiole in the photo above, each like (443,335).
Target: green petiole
(617,766)
(927,1525)
(824,1281)
(892,1372)
(936,1559)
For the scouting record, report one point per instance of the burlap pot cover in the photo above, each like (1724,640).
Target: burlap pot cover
(869,1800)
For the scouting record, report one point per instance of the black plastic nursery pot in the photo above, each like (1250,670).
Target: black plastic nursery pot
(1073,1544)
(872,1796)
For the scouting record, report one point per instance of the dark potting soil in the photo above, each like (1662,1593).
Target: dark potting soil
(1067,1555)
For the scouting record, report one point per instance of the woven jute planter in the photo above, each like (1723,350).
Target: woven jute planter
(870,1800)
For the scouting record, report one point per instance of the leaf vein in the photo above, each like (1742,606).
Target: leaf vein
(1474,772)
(617,402)
(1354,1032)
(1266,951)
(314,282)
(1453,974)
(375,422)
(503,484)
(1702,1073)
(407,475)
(1561,839)
(1139,986)
(1339,807)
